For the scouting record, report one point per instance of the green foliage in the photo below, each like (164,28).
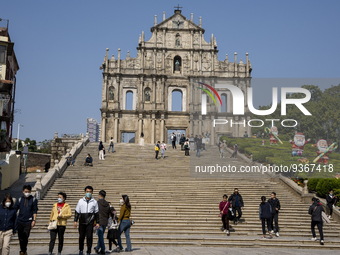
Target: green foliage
(44,146)
(324,185)
(312,183)
(337,193)
(280,154)
(324,122)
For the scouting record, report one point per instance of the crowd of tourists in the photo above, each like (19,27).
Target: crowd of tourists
(188,143)
(231,210)
(90,215)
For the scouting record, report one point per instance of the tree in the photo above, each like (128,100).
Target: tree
(324,123)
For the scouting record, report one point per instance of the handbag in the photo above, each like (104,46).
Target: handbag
(52,225)
(230,214)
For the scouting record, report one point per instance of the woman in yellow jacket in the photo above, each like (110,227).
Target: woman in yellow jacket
(61,211)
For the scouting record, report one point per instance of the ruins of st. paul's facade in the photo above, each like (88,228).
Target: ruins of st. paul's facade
(161,89)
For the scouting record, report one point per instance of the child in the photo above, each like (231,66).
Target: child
(112,233)
(163,149)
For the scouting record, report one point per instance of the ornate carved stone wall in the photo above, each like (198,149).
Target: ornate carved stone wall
(175,56)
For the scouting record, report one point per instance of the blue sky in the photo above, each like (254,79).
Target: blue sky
(61,44)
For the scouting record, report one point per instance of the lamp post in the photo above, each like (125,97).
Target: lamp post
(19,125)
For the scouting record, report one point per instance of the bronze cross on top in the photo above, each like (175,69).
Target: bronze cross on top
(178,7)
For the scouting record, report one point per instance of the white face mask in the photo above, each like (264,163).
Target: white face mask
(8,204)
(60,200)
(26,194)
(121,202)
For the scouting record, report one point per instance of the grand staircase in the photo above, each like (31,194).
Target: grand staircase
(170,206)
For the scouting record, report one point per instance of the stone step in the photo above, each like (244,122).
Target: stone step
(171,207)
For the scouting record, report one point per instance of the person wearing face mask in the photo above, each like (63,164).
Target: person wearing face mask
(104,215)
(124,223)
(61,211)
(8,217)
(87,214)
(27,205)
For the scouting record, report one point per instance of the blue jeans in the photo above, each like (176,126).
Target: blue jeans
(100,233)
(111,147)
(124,226)
(198,153)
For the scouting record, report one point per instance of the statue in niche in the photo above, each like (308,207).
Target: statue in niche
(111,93)
(177,65)
(147,95)
(178,41)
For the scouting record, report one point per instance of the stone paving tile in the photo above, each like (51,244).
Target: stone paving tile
(188,250)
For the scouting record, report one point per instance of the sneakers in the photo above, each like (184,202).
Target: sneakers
(277,234)
(271,232)
(109,251)
(313,239)
(227,232)
(96,250)
(322,242)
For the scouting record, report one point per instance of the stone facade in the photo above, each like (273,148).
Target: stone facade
(174,59)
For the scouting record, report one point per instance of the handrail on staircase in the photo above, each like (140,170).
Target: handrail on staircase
(43,184)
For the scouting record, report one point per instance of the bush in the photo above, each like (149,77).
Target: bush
(261,156)
(337,193)
(324,185)
(312,183)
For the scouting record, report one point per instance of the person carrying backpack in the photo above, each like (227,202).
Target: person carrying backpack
(27,205)
(315,210)
(157,148)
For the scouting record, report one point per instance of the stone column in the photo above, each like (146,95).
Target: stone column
(153,128)
(140,127)
(162,127)
(103,128)
(163,60)
(154,58)
(200,63)
(200,125)
(115,131)
(212,131)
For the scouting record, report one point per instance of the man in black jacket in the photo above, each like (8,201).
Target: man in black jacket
(182,141)
(331,202)
(236,201)
(27,205)
(104,214)
(315,210)
(275,204)
(87,214)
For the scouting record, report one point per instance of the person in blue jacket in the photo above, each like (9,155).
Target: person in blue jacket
(265,215)
(8,217)
(27,205)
